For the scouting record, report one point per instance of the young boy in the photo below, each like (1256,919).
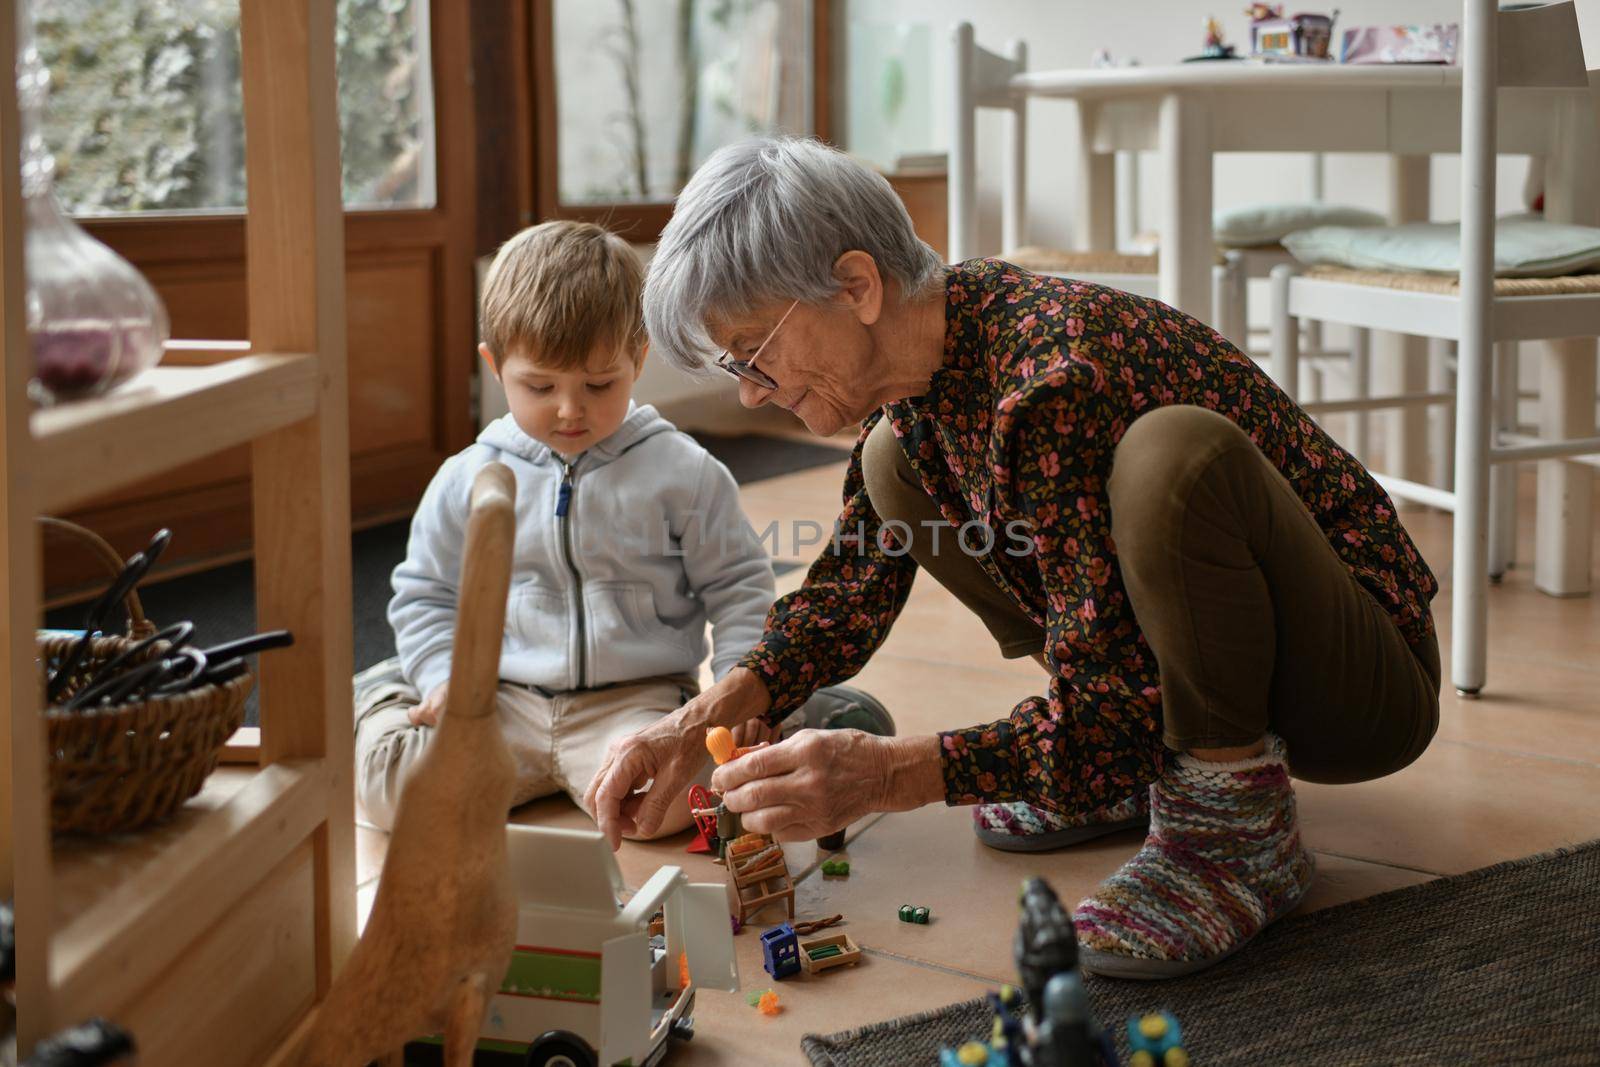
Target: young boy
(629,538)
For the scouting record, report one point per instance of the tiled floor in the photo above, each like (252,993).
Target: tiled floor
(1513,773)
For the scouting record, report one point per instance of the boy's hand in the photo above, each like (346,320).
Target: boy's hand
(752,733)
(427,713)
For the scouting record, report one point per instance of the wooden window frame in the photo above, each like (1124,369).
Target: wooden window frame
(640,222)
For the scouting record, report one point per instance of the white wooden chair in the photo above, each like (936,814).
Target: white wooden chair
(982,79)
(1536,53)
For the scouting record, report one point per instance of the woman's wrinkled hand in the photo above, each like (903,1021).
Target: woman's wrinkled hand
(820,781)
(645,773)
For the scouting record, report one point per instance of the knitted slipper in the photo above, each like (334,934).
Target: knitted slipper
(1223,860)
(1021,827)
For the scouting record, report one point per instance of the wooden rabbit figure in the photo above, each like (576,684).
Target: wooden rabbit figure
(444,921)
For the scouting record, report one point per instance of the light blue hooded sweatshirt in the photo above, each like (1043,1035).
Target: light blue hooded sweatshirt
(621,557)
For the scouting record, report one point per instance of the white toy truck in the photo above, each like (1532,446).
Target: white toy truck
(589,985)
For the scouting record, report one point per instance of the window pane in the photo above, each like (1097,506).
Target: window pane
(146,109)
(646,89)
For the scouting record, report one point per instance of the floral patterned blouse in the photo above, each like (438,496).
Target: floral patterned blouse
(1042,377)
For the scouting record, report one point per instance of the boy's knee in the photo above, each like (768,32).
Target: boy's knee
(383,764)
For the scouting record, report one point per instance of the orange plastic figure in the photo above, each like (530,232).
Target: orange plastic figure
(768,1004)
(719,742)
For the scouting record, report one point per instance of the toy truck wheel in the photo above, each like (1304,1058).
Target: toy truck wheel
(560,1050)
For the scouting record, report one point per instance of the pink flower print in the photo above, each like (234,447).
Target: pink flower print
(1050,464)
(1074,326)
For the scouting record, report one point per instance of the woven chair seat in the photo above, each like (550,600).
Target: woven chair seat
(1038,258)
(1450,284)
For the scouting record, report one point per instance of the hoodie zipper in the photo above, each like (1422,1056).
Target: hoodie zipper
(563,508)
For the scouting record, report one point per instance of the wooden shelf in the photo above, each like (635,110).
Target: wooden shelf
(125,904)
(208,936)
(87,448)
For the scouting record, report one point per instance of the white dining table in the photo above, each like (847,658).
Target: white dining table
(1187,113)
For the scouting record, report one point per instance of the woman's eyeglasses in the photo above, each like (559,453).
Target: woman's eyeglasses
(746,368)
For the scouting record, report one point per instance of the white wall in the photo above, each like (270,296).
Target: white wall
(1065,33)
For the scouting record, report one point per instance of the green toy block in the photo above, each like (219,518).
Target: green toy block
(906,911)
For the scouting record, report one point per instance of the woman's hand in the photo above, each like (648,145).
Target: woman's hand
(819,781)
(666,757)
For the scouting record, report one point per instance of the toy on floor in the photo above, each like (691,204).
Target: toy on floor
(765,1001)
(917,915)
(1059,1030)
(811,926)
(780,952)
(758,876)
(703,810)
(570,995)
(836,868)
(1157,1041)
(444,919)
(819,954)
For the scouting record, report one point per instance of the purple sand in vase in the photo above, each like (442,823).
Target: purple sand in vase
(74,361)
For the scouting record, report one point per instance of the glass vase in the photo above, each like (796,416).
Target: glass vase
(94,322)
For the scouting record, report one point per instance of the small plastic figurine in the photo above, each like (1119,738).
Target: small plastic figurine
(1157,1040)
(768,1004)
(780,952)
(1060,1027)
(912,914)
(719,742)
(1216,47)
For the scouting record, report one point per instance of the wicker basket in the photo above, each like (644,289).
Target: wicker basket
(120,767)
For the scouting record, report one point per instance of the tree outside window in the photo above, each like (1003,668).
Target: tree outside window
(646,89)
(146,108)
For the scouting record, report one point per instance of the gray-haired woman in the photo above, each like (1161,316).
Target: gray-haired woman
(1213,585)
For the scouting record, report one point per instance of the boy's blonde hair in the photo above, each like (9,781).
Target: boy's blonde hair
(558,290)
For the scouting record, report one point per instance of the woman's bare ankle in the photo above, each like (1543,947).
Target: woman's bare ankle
(1229,755)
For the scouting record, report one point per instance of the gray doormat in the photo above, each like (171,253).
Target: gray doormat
(1495,966)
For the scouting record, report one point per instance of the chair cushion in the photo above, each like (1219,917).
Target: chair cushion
(1525,246)
(1265,224)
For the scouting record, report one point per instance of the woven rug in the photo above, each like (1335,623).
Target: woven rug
(1496,966)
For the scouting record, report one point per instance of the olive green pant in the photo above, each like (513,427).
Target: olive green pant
(1256,624)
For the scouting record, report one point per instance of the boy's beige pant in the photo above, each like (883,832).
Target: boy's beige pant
(557,740)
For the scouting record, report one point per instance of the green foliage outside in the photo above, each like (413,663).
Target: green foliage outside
(145,110)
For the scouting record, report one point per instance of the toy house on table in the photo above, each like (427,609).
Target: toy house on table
(1305,36)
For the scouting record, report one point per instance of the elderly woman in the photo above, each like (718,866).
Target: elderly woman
(1220,594)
